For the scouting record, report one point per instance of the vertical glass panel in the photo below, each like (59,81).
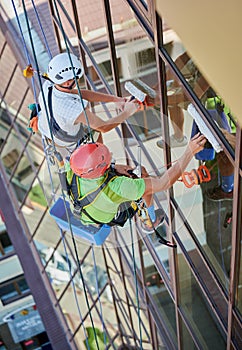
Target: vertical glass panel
(205,327)
(162,299)
(239,295)
(163,255)
(136,65)
(207,278)
(239,287)
(206,207)
(187,341)
(236,331)
(208,221)
(6,246)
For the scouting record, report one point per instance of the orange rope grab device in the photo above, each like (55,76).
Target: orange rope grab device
(196,176)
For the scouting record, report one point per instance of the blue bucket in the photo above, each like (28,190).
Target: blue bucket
(93,234)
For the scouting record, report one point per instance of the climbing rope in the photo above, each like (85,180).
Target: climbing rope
(98,293)
(76,81)
(63,194)
(136,283)
(25,47)
(42,29)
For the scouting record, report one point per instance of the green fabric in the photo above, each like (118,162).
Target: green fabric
(212,101)
(119,190)
(211,104)
(92,342)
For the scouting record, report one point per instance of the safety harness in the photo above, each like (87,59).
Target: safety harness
(81,136)
(59,133)
(126,210)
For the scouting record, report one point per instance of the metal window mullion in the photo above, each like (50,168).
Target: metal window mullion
(202,286)
(160,322)
(3,48)
(9,83)
(142,271)
(112,290)
(199,250)
(14,119)
(95,308)
(111,43)
(161,71)
(204,114)
(126,296)
(83,45)
(79,35)
(189,328)
(140,14)
(168,60)
(56,30)
(236,236)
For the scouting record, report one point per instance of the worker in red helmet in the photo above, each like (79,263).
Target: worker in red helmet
(101,195)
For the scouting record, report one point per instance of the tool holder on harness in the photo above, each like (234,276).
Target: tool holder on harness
(196,176)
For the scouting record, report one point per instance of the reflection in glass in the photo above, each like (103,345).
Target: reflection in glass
(6,246)
(201,268)
(197,310)
(162,299)
(239,290)
(187,341)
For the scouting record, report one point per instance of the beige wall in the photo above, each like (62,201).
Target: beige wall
(212,32)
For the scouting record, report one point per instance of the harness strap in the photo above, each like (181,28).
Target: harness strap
(60,133)
(90,197)
(81,203)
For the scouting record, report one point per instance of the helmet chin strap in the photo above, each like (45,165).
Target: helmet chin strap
(69,87)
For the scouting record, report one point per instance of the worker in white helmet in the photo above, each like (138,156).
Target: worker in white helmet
(64,115)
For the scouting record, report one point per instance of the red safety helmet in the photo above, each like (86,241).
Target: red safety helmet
(91,160)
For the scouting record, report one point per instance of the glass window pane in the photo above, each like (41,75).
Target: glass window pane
(239,287)
(23,285)
(162,299)
(7,292)
(196,309)
(5,244)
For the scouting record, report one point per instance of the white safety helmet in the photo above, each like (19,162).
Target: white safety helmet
(60,68)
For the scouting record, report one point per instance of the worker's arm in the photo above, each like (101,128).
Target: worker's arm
(157,184)
(94,96)
(101,125)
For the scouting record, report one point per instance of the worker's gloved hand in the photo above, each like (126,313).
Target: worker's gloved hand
(131,107)
(33,120)
(121,103)
(122,169)
(33,124)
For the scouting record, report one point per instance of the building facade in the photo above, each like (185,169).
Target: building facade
(131,292)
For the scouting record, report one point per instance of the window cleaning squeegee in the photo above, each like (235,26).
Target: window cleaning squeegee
(203,128)
(134,91)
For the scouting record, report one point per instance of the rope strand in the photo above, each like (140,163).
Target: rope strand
(136,282)
(76,81)
(62,191)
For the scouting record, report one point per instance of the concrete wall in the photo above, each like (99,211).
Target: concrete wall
(211,31)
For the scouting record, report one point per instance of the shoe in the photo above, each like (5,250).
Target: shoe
(217,194)
(173,142)
(148,227)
